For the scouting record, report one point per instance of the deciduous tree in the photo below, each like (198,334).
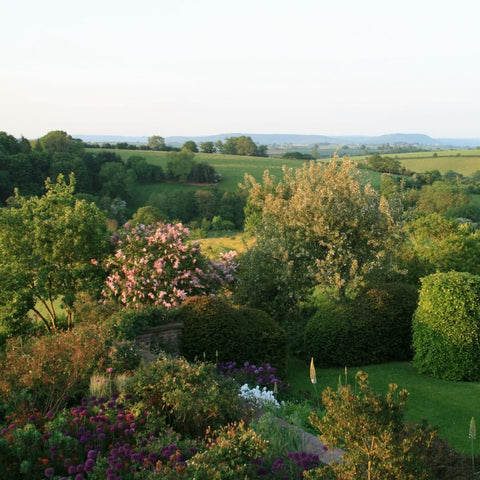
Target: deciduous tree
(156,142)
(327,223)
(50,248)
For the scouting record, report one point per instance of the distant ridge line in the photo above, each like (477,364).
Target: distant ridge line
(300,139)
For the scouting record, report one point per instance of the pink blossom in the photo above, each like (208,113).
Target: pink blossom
(157,265)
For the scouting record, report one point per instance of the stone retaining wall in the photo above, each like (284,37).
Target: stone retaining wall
(165,337)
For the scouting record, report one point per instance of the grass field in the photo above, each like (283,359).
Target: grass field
(231,167)
(212,247)
(461,161)
(446,405)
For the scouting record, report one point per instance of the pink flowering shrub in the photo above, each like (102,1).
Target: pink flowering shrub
(156,265)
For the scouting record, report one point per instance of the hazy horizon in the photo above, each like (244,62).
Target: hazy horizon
(196,68)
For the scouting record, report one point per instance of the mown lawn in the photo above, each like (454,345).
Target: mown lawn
(446,405)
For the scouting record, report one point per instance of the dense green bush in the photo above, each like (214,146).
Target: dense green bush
(446,334)
(190,397)
(216,329)
(334,337)
(388,310)
(128,323)
(372,328)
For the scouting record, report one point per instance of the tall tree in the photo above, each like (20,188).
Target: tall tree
(51,248)
(436,244)
(190,145)
(180,164)
(155,142)
(207,147)
(59,141)
(441,196)
(325,222)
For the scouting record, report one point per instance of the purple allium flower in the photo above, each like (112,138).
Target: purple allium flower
(49,472)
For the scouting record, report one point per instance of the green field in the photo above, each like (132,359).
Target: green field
(231,167)
(461,161)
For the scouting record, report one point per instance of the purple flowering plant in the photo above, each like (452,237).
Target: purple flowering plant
(263,375)
(72,441)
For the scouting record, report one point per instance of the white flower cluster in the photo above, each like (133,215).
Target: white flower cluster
(258,398)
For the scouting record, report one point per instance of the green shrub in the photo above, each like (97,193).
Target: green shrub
(128,323)
(374,327)
(446,334)
(190,397)
(217,330)
(370,428)
(387,310)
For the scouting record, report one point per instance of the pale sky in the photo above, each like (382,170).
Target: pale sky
(200,67)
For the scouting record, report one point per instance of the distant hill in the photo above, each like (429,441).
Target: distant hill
(280,139)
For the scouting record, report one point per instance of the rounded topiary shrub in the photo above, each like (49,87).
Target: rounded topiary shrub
(374,327)
(446,333)
(387,311)
(334,337)
(215,329)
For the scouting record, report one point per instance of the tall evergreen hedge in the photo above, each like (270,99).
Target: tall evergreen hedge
(446,326)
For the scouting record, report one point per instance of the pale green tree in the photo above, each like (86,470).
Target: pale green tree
(441,196)
(207,147)
(156,142)
(58,141)
(329,224)
(180,165)
(51,248)
(436,244)
(147,215)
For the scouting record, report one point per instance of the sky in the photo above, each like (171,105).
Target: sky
(204,67)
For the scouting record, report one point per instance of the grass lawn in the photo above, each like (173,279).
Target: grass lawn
(449,406)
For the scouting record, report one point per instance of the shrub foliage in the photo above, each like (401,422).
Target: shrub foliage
(370,428)
(212,327)
(374,327)
(446,336)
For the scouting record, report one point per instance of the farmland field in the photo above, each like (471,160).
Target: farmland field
(461,161)
(231,167)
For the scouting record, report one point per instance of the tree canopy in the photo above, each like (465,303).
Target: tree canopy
(324,221)
(51,247)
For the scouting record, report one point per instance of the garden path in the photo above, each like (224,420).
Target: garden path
(312,444)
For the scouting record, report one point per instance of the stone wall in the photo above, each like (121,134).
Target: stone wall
(162,337)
